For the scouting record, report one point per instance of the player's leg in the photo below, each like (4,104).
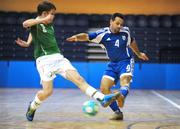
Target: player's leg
(126,73)
(75,77)
(124,90)
(106,83)
(42,94)
(47,75)
(39,98)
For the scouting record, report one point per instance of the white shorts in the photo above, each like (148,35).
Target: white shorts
(50,65)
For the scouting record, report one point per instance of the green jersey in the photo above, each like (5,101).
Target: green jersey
(44,40)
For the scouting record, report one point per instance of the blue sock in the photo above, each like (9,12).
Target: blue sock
(124,90)
(114,106)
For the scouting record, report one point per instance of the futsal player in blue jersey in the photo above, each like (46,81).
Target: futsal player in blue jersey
(120,46)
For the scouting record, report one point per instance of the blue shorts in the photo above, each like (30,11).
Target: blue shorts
(115,70)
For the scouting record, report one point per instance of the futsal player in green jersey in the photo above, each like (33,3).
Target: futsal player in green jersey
(50,61)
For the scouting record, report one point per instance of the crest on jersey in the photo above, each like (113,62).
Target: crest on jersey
(124,37)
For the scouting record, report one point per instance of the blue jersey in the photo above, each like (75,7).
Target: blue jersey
(117,45)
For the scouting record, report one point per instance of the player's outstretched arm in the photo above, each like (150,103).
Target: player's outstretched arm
(78,37)
(23,43)
(139,54)
(31,22)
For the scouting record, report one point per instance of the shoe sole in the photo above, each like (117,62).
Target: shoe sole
(29,119)
(112,100)
(117,118)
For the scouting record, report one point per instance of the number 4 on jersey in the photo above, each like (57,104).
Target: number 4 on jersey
(116,43)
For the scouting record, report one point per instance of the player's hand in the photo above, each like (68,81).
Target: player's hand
(21,43)
(72,39)
(143,56)
(48,19)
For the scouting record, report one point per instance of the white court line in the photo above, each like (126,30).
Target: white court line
(166,99)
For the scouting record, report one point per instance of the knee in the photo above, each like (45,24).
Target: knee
(124,84)
(105,89)
(48,92)
(80,79)
(75,77)
(125,81)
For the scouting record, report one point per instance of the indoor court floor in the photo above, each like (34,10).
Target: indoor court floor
(144,109)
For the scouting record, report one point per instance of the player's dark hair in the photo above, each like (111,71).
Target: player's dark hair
(117,15)
(45,6)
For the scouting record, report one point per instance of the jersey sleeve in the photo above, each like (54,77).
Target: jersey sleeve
(130,38)
(97,36)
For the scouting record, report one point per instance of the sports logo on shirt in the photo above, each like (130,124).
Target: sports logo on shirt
(108,39)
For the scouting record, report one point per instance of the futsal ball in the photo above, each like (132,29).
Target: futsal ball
(90,108)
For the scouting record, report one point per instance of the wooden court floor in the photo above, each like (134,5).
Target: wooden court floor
(144,109)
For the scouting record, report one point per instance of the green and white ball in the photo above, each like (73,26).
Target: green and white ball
(90,108)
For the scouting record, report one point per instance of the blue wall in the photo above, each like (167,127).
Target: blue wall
(23,74)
